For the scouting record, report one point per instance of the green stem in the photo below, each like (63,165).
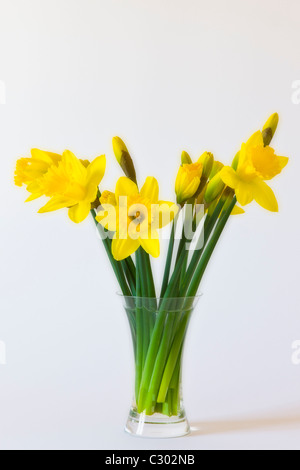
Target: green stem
(149,274)
(168,261)
(159,365)
(131,267)
(167,405)
(130,280)
(182,242)
(175,386)
(139,325)
(176,373)
(145,282)
(208,227)
(151,303)
(173,358)
(199,272)
(183,271)
(157,333)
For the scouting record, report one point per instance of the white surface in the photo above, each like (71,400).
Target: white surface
(166,76)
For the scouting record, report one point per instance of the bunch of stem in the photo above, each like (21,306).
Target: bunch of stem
(159,330)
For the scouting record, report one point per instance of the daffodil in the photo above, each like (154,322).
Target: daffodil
(135,217)
(207,161)
(73,185)
(256,163)
(188,181)
(30,171)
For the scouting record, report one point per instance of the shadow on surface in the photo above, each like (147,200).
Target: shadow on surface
(279,422)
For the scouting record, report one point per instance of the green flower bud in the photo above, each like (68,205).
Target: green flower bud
(216,168)
(235,162)
(124,159)
(214,189)
(185,158)
(269,128)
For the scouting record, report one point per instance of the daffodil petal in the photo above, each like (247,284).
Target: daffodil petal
(244,193)
(125,187)
(167,211)
(56,203)
(96,170)
(74,166)
(283,161)
(91,192)
(34,187)
(121,249)
(243,156)
(150,190)
(256,140)
(107,217)
(192,187)
(33,196)
(47,157)
(151,245)
(79,212)
(185,190)
(229,177)
(265,196)
(237,210)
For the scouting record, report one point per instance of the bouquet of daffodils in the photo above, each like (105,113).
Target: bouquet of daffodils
(129,220)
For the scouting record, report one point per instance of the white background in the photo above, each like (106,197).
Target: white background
(165,75)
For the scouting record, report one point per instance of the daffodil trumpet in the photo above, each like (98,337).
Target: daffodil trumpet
(131,220)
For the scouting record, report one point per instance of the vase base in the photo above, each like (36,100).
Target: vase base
(157,426)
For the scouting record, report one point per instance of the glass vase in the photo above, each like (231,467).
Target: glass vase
(158,328)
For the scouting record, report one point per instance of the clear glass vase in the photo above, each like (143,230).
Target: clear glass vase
(158,328)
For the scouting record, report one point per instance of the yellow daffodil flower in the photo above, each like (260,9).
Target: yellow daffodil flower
(207,160)
(188,181)
(135,216)
(70,184)
(256,163)
(30,171)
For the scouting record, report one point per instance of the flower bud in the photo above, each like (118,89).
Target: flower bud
(185,158)
(269,128)
(214,188)
(207,160)
(123,158)
(216,168)
(235,162)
